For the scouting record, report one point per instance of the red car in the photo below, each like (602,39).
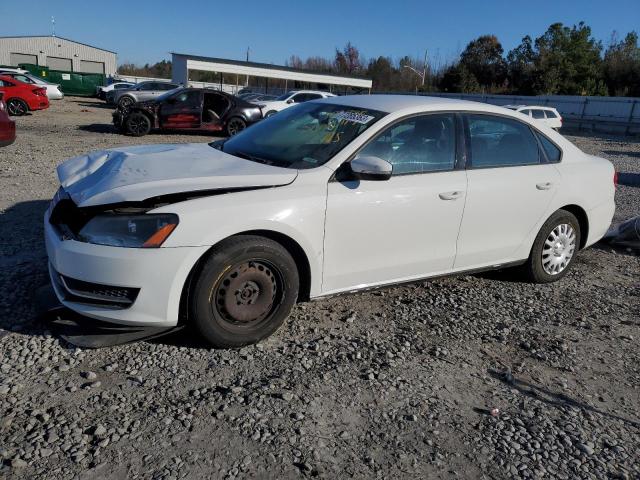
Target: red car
(7,126)
(21,97)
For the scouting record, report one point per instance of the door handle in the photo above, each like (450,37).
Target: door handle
(450,195)
(544,185)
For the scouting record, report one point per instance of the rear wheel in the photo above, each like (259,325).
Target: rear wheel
(554,248)
(244,291)
(138,124)
(17,107)
(235,125)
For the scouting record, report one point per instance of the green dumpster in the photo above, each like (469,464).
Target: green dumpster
(71,83)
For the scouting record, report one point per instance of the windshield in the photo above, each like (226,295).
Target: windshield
(305,136)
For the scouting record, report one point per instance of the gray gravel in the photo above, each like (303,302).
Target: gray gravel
(468,377)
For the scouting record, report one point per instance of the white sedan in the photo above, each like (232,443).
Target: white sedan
(53,89)
(330,196)
(289,99)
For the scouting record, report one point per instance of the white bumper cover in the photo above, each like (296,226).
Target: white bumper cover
(159,273)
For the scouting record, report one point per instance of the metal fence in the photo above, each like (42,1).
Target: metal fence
(598,114)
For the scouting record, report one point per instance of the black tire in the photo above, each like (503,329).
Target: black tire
(244,291)
(125,102)
(534,269)
(17,107)
(234,126)
(138,124)
(270,113)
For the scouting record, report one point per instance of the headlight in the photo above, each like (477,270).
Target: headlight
(134,231)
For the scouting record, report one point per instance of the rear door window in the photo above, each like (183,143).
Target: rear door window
(539,114)
(501,142)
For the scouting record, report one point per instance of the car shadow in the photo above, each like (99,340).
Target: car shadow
(629,179)
(621,153)
(551,398)
(95,105)
(23,265)
(99,128)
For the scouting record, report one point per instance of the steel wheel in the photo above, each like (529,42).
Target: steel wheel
(248,293)
(558,249)
(17,107)
(235,125)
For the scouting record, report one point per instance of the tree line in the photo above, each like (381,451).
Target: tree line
(562,61)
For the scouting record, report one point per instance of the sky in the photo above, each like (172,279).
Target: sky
(143,31)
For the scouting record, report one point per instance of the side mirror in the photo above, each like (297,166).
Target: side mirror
(290,101)
(371,168)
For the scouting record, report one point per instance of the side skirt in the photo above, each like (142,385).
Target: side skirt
(421,279)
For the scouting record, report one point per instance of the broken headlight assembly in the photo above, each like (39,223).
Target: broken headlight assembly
(133,231)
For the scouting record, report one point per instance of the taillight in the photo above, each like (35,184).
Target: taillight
(615,179)
(40,92)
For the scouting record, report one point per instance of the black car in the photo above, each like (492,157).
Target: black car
(201,109)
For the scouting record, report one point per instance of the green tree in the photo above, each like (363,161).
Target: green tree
(458,78)
(568,61)
(521,64)
(621,66)
(483,59)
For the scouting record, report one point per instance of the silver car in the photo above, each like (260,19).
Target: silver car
(139,92)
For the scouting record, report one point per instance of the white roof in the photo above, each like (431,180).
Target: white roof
(398,103)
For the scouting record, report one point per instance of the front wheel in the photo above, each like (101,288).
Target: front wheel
(554,249)
(235,125)
(125,102)
(244,291)
(17,107)
(138,124)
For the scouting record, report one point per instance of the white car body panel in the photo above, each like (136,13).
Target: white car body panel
(141,172)
(415,230)
(353,236)
(501,210)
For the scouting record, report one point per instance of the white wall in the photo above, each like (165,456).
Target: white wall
(45,47)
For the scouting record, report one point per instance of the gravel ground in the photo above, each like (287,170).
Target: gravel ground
(469,377)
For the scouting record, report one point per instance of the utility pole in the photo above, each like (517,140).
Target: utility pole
(53,26)
(424,68)
(248,50)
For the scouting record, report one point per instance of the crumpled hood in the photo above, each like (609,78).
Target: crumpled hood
(132,174)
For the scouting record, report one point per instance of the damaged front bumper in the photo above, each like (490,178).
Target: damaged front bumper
(127,286)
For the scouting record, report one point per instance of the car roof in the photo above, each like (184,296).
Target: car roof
(399,103)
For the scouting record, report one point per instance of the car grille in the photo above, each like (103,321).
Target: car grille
(89,293)
(66,216)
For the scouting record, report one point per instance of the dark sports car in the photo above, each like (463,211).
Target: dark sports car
(188,109)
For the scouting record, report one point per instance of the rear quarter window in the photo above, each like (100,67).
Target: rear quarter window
(553,153)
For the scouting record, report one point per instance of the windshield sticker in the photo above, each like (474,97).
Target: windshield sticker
(355,117)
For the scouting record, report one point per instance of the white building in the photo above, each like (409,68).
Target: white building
(57,53)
